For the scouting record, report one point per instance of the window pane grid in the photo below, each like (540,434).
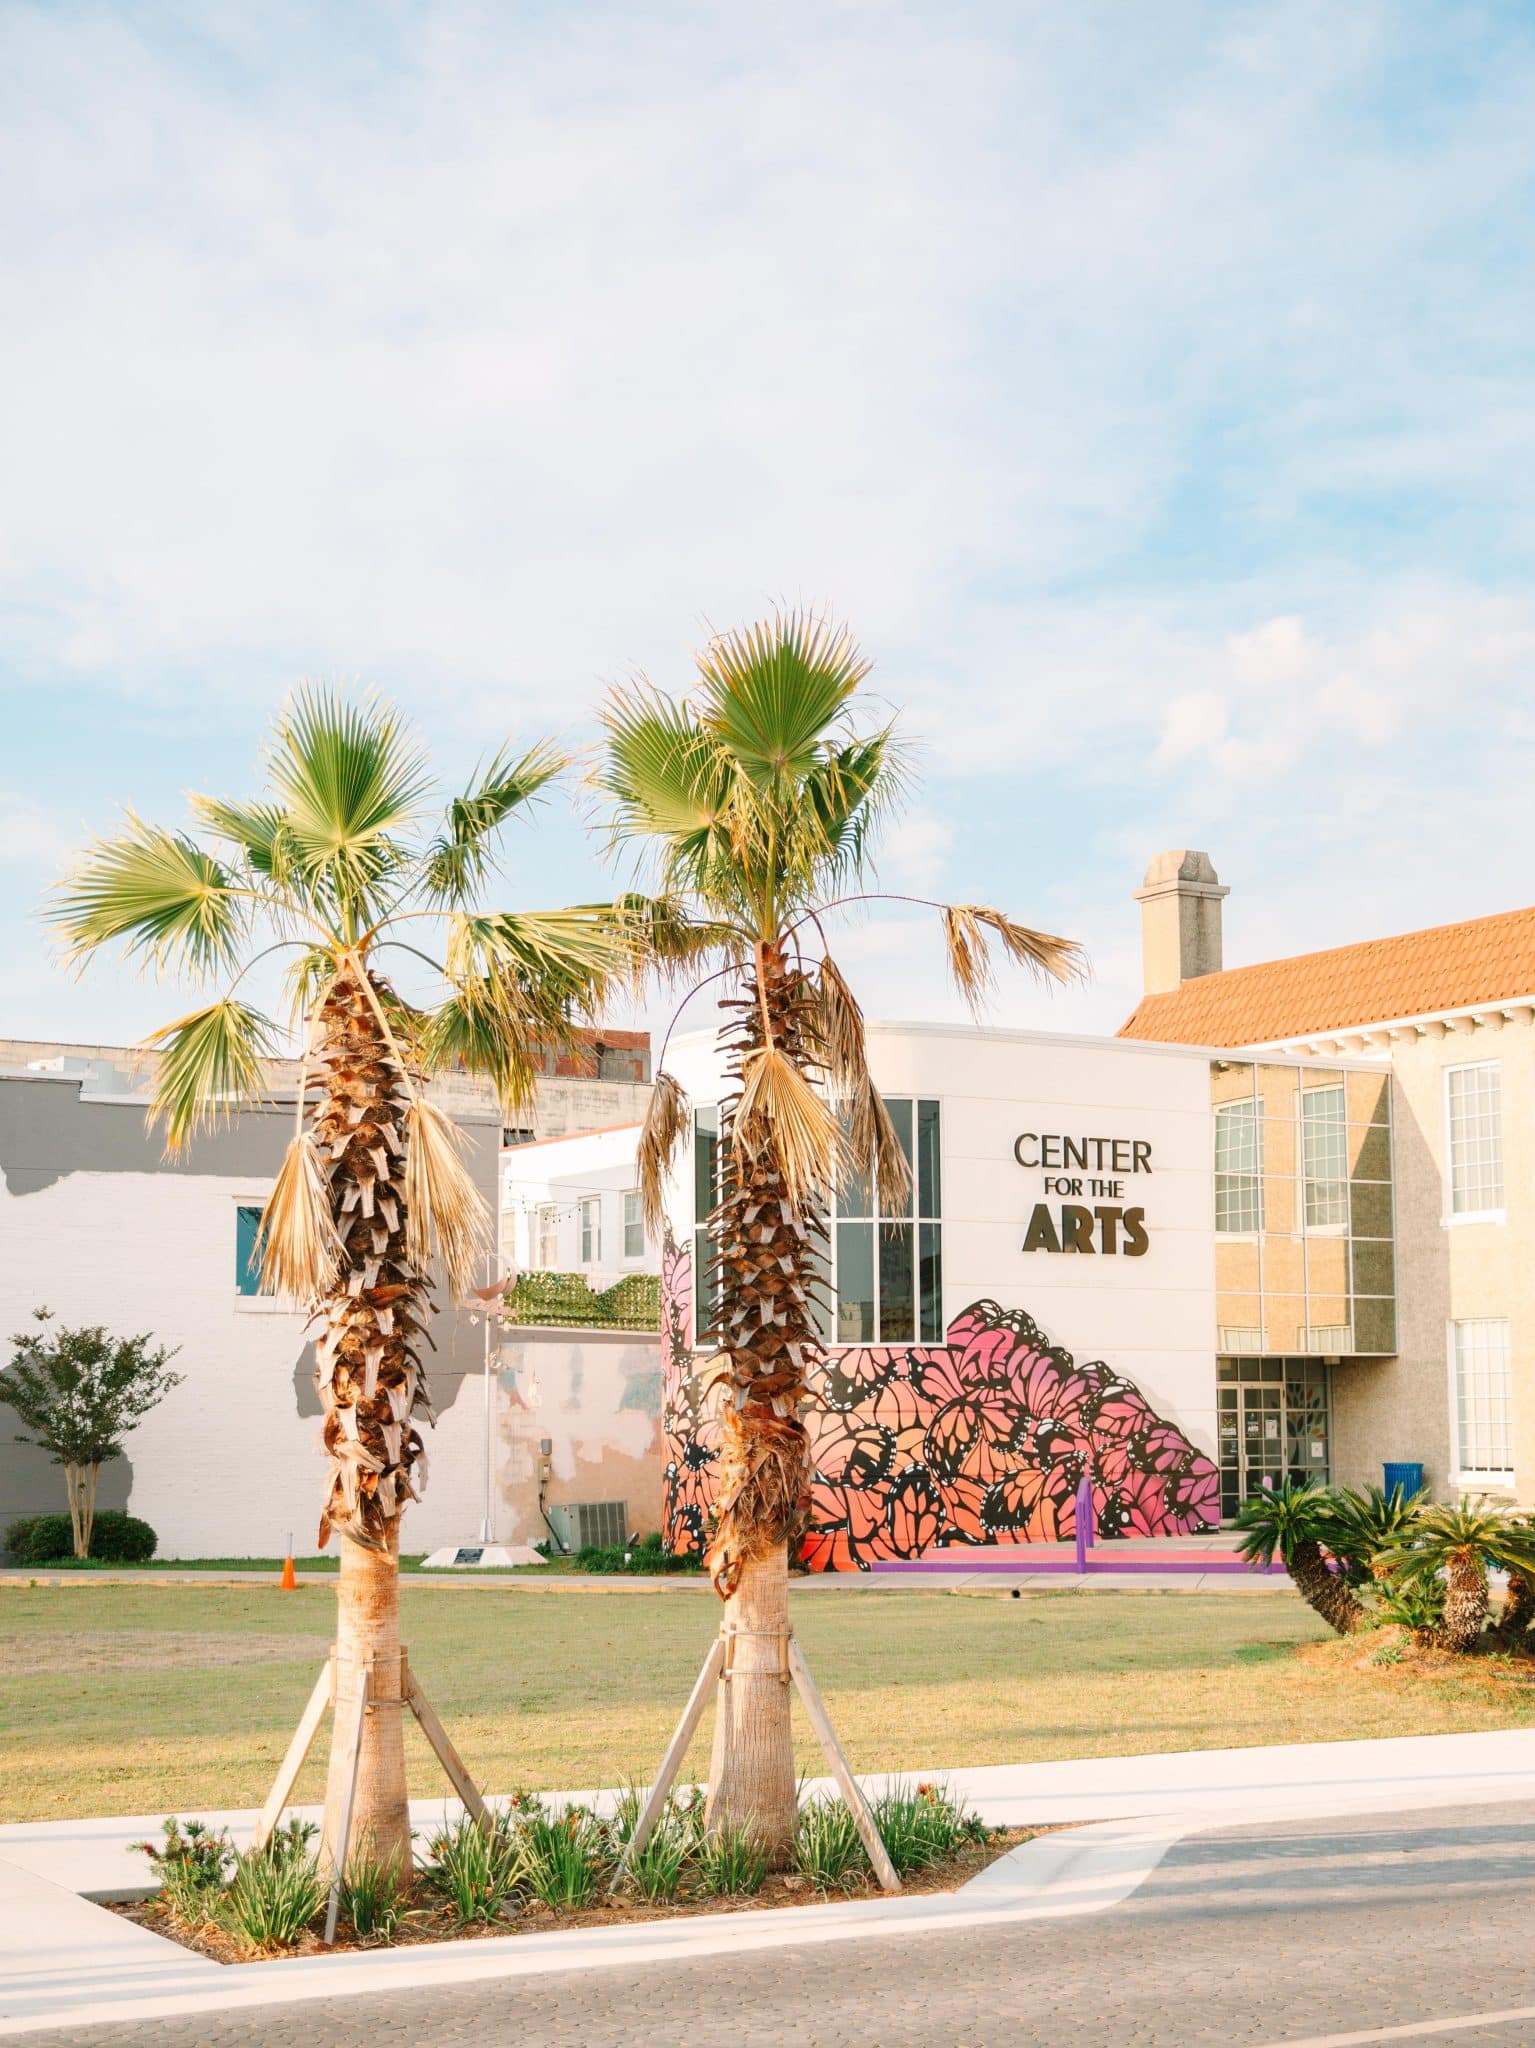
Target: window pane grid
(1476,1138)
(1238,1167)
(1484,1437)
(1324,1146)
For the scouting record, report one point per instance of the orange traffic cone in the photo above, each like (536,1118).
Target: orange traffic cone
(289,1581)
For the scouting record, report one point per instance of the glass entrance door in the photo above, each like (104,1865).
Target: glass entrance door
(1272,1423)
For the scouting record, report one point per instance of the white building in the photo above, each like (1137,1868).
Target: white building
(572,1205)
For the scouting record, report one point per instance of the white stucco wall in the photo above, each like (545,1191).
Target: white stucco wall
(227,1465)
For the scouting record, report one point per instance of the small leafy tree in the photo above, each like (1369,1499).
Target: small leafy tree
(79,1392)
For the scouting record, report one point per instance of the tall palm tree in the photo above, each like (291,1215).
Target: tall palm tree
(758,795)
(338,863)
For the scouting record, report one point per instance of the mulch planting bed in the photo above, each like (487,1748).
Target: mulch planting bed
(426,1919)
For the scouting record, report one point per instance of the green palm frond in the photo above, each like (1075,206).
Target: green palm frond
(260,831)
(482,1028)
(846,798)
(211,1063)
(668,940)
(1474,1530)
(460,858)
(668,779)
(568,958)
(1293,1514)
(769,693)
(171,903)
(351,780)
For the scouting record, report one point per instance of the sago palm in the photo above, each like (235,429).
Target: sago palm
(1301,1523)
(1457,1544)
(344,858)
(758,795)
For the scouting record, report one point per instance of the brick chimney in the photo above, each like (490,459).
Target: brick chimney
(1180,903)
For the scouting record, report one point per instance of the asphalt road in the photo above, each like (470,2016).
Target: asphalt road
(1250,1936)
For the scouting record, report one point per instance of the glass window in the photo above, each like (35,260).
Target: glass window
(1475,1117)
(591,1230)
(634,1225)
(1238,1166)
(855,1283)
(247,1256)
(929,1171)
(897,1284)
(1484,1433)
(1324,1151)
(547,1238)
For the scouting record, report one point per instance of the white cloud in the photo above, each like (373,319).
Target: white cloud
(31,835)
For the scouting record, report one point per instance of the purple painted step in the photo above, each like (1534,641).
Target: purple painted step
(1016,1558)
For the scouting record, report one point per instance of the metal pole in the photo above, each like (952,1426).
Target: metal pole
(487,1529)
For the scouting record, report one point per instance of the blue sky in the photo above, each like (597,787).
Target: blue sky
(1151,388)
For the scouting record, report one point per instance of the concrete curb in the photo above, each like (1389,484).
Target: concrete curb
(65,1962)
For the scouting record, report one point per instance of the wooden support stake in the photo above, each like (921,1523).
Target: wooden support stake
(447,1755)
(858,1806)
(351,1757)
(293,1762)
(671,1763)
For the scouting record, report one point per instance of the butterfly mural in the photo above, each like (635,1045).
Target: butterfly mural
(982,1440)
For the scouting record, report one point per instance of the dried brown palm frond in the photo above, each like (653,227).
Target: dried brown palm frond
(873,1146)
(781,1116)
(665,1127)
(839,1028)
(441,1200)
(966,926)
(300,1248)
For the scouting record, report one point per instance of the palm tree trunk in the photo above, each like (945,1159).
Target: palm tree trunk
(1518,1608)
(368,1640)
(371,1390)
(770,1260)
(1324,1590)
(1465,1605)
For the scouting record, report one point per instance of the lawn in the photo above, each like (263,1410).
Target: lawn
(154,1697)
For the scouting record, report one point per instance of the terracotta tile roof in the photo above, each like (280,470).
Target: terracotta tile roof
(1417,974)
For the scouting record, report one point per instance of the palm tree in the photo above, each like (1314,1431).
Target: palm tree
(1368,1521)
(1457,1544)
(338,863)
(758,795)
(1301,1522)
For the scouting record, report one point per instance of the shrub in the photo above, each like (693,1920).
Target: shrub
(563,1858)
(633,1303)
(1369,1521)
(566,1301)
(274,1893)
(732,1861)
(192,1865)
(371,1895)
(116,1538)
(656,1871)
(922,1825)
(476,1870)
(827,1848)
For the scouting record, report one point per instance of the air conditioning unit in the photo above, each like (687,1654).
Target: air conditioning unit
(591,1524)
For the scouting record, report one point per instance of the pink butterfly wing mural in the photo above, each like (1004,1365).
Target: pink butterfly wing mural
(982,1440)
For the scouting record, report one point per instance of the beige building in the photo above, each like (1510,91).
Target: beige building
(1375,1236)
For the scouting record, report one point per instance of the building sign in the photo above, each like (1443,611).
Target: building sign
(1087,1185)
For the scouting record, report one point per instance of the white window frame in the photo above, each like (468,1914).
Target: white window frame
(1454,1217)
(589,1229)
(546,1237)
(1470,1479)
(634,1221)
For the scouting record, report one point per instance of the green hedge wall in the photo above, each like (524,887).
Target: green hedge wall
(565,1301)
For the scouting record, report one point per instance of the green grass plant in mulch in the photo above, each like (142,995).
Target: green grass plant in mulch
(533,1864)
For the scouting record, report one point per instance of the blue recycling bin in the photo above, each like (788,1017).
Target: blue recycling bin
(1406,1477)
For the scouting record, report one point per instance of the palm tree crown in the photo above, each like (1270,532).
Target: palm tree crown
(331,867)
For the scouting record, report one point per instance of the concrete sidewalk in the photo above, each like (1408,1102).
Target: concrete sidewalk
(64,1962)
